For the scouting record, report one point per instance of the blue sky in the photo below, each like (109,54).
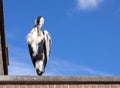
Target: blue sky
(85,36)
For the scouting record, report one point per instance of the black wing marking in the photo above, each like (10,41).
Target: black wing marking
(48,41)
(45,59)
(31,53)
(30,50)
(47,46)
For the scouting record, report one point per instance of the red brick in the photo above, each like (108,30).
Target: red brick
(100,86)
(65,86)
(38,86)
(51,86)
(107,86)
(2,86)
(118,85)
(72,86)
(80,86)
(57,86)
(23,86)
(44,86)
(86,86)
(9,86)
(93,86)
(30,86)
(16,86)
(114,86)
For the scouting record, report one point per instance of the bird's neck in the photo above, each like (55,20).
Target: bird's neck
(38,30)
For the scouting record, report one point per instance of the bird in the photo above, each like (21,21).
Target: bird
(39,46)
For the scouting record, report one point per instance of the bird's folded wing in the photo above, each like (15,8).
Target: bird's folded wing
(48,41)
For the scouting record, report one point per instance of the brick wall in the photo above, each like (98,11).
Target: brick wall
(58,82)
(3,49)
(62,86)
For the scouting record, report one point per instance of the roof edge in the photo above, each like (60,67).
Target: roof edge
(60,79)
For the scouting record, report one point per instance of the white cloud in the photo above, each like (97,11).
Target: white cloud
(88,4)
(66,68)
(55,67)
(19,61)
(20,68)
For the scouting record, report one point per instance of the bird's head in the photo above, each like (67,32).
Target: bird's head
(39,21)
(39,66)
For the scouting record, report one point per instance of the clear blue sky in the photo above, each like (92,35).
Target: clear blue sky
(85,36)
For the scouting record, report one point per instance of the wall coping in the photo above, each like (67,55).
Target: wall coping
(59,79)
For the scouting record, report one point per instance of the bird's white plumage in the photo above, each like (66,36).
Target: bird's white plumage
(33,40)
(39,65)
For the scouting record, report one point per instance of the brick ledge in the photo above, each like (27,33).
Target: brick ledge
(59,79)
